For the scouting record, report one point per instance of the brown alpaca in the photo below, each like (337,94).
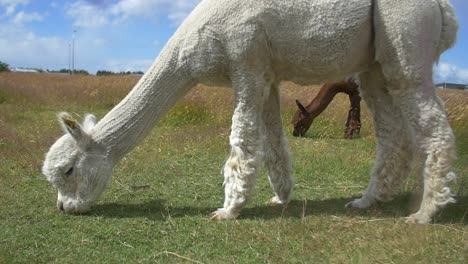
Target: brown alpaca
(304,117)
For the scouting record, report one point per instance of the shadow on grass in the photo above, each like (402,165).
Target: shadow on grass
(322,137)
(154,210)
(317,136)
(398,208)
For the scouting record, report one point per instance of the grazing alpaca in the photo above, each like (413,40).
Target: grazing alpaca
(253,45)
(305,115)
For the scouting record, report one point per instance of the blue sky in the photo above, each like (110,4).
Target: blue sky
(128,34)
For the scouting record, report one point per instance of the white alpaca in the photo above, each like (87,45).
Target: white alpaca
(253,45)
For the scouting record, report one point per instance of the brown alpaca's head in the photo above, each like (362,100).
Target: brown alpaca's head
(301,121)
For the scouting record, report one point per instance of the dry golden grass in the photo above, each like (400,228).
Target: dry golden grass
(456,103)
(57,89)
(22,94)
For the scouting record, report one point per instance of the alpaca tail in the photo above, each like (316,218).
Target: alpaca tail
(448,35)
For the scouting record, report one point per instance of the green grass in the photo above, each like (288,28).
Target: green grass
(158,205)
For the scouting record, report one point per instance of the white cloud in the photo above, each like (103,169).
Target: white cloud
(126,65)
(87,15)
(21,47)
(447,72)
(99,42)
(10,5)
(10,10)
(13,2)
(22,17)
(94,15)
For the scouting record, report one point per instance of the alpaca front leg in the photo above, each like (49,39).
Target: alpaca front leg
(242,165)
(239,179)
(277,157)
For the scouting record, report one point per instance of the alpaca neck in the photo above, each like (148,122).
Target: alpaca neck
(154,95)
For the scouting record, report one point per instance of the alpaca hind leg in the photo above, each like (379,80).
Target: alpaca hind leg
(407,52)
(243,162)
(394,145)
(435,142)
(276,154)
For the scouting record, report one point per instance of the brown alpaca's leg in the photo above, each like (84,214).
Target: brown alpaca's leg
(353,122)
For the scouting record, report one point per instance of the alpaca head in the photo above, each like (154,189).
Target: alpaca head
(301,121)
(77,166)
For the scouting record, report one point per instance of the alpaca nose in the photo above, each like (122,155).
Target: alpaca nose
(298,133)
(60,206)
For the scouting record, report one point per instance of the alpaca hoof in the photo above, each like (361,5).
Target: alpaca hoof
(216,217)
(418,219)
(222,214)
(358,203)
(277,201)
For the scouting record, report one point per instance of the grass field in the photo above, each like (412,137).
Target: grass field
(157,207)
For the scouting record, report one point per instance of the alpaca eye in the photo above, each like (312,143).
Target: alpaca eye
(69,171)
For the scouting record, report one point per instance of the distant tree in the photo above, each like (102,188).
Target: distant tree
(82,72)
(4,66)
(104,73)
(67,71)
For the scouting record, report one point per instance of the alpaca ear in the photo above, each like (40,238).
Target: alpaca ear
(89,123)
(302,108)
(72,127)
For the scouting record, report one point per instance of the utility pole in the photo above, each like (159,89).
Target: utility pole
(69,58)
(73,53)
